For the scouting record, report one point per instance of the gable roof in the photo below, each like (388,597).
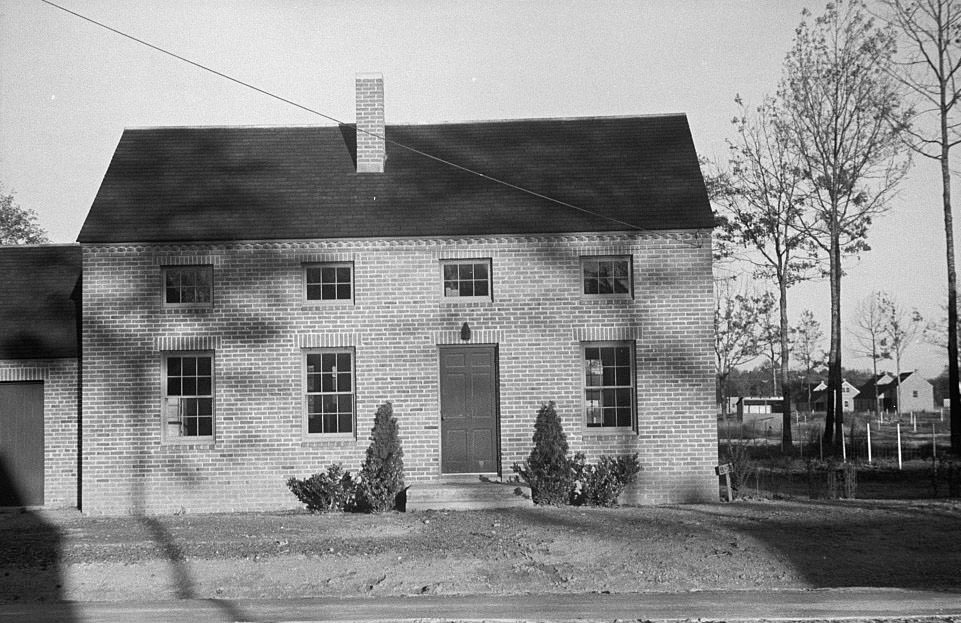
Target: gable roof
(38,312)
(887,386)
(210,184)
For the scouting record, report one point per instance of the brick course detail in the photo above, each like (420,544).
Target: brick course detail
(260,325)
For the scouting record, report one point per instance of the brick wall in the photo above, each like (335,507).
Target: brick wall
(260,324)
(60,423)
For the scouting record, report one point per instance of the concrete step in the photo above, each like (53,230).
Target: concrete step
(461,495)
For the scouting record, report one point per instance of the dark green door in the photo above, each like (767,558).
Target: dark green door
(21,444)
(468,408)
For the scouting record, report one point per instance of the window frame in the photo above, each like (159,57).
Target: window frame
(166,437)
(464,261)
(209,268)
(305,394)
(629,259)
(322,301)
(632,388)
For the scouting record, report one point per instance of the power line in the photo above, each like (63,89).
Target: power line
(341,123)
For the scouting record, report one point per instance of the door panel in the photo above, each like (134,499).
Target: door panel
(468,409)
(21,444)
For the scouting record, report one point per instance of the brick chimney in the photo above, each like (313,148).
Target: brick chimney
(370,123)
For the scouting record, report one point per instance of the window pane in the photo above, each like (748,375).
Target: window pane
(480,271)
(173,386)
(610,417)
(203,386)
(343,382)
(480,288)
(609,376)
(604,286)
(330,422)
(620,268)
(314,423)
(313,404)
(328,361)
(622,286)
(467,288)
(622,397)
(345,403)
(328,274)
(173,295)
(345,423)
(189,407)
(329,403)
(187,278)
(203,366)
(205,426)
(450,272)
(343,274)
(190,427)
(189,366)
(592,353)
(623,417)
(622,355)
(328,382)
(343,292)
(465,271)
(607,356)
(313,292)
(189,386)
(450,288)
(590,270)
(328,292)
(313,363)
(204,277)
(622,376)
(590,286)
(313,275)
(170,279)
(343,362)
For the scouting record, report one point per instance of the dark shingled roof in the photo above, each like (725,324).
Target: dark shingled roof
(193,184)
(38,313)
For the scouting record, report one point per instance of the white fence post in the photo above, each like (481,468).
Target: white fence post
(899,445)
(869,441)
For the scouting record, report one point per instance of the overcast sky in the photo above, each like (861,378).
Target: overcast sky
(68,89)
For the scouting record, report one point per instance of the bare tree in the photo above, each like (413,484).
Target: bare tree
(842,112)
(806,338)
(760,200)
(736,335)
(869,334)
(18,225)
(931,30)
(899,329)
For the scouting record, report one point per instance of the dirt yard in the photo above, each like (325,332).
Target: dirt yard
(744,545)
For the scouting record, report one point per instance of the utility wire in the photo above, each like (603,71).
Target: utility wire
(341,123)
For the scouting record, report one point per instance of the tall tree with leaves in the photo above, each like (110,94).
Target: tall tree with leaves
(931,61)
(806,338)
(869,336)
(18,225)
(843,115)
(761,203)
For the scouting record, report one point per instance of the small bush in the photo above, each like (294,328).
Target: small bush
(322,493)
(601,484)
(737,452)
(382,475)
(547,470)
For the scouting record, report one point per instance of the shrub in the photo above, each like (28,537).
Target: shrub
(601,484)
(382,475)
(737,452)
(322,493)
(547,469)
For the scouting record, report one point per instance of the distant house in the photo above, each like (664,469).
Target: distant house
(820,396)
(760,413)
(917,393)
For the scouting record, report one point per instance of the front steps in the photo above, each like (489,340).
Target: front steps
(461,493)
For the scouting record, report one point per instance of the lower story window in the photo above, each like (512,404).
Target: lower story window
(330,391)
(609,385)
(188,395)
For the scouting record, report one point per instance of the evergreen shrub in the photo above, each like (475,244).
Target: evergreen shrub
(382,476)
(547,470)
(322,493)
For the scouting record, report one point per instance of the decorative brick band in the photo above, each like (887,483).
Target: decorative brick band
(606,334)
(186,260)
(329,340)
(461,253)
(24,374)
(186,342)
(489,336)
(602,250)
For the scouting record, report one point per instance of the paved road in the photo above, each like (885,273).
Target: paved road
(707,605)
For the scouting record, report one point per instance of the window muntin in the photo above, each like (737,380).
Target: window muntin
(329,391)
(188,396)
(466,278)
(329,282)
(188,286)
(607,276)
(609,385)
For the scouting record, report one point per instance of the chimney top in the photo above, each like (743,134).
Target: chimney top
(371,151)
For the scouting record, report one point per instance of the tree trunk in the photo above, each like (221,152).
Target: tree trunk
(954,392)
(787,443)
(833,418)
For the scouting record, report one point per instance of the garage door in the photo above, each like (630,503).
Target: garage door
(21,444)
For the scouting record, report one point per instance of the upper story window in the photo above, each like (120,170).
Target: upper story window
(467,278)
(329,391)
(329,281)
(188,396)
(607,276)
(188,286)
(609,384)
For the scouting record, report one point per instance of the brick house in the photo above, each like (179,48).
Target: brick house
(250,295)
(39,416)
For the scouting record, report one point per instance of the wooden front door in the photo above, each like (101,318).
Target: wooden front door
(21,444)
(468,409)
